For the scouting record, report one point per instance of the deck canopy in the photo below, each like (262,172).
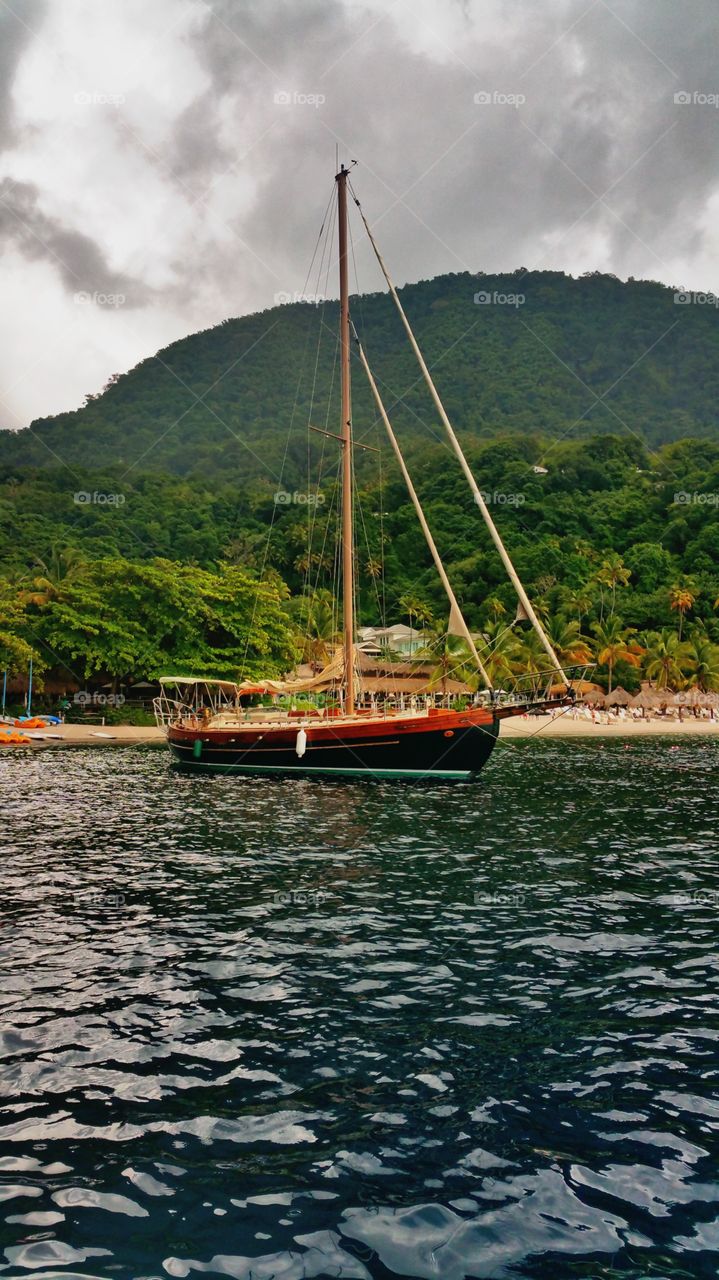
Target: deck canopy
(227,686)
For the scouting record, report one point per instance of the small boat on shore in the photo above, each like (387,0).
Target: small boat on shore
(211,726)
(13,738)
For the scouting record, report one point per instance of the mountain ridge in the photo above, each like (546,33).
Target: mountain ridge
(547,353)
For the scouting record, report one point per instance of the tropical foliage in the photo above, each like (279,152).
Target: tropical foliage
(168,523)
(120,618)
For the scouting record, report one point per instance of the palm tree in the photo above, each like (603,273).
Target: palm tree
(500,651)
(615,643)
(702,661)
(416,610)
(612,573)
(681,598)
(532,658)
(55,572)
(317,624)
(494,607)
(666,658)
(578,601)
(565,637)
(310,560)
(453,660)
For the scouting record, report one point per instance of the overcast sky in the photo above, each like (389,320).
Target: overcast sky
(165,163)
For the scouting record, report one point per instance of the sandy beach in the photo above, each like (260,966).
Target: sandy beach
(564,725)
(560,725)
(80,735)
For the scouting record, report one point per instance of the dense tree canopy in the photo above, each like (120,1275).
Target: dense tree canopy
(615,545)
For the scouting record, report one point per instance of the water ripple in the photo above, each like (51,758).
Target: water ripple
(263,1029)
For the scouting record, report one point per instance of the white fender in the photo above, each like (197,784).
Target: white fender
(301,743)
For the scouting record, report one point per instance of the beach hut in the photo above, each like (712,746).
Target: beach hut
(594,697)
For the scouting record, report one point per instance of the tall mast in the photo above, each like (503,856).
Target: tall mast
(346,433)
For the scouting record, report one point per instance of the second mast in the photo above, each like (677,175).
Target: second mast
(346,433)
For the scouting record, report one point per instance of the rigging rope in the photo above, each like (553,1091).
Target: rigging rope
(288,437)
(325,256)
(494,532)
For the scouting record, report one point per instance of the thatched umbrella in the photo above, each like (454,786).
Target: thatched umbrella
(580,687)
(595,697)
(693,699)
(618,698)
(647,699)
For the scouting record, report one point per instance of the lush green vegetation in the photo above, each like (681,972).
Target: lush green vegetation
(619,549)
(182,557)
(120,618)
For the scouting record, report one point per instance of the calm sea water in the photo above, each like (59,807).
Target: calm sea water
(268,1029)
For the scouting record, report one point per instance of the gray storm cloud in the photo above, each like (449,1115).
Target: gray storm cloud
(488,137)
(79,261)
(16,33)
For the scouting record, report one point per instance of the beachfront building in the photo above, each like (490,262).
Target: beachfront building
(398,638)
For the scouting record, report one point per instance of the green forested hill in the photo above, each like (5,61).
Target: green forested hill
(580,356)
(140,533)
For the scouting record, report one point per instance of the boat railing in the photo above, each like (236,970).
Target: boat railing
(169,711)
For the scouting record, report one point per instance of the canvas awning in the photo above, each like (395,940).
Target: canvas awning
(227,686)
(410,685)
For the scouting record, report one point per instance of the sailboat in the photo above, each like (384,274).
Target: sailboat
(210,724)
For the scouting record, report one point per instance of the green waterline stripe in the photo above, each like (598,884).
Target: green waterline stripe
(372,773)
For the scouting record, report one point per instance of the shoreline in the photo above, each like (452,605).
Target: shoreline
(556,726)
(564,726)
